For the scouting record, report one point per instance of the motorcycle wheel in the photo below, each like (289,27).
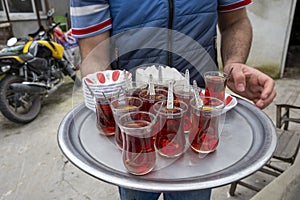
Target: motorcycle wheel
(18,107)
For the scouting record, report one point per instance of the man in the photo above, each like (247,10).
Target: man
(125,23)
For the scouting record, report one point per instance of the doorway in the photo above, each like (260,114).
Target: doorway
(292,65)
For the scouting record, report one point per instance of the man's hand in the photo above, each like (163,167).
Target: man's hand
(251,83)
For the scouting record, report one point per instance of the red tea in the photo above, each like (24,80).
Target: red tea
(135,88)
(163,87)
(119,138)
(120,107)
(139,155)
(204,136)
(215,87)
(150,100)
(181,95)
(170,140)
(134,92)
(118,132)
(105,119)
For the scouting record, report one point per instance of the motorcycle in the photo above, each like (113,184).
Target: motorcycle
(31,72)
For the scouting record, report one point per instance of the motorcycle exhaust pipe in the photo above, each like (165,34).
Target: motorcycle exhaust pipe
(55,88)
(23,88)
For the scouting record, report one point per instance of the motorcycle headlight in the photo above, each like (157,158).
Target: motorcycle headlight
(5,68)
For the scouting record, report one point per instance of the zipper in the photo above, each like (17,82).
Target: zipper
(170,26)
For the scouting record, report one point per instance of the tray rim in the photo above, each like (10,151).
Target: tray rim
(90,166)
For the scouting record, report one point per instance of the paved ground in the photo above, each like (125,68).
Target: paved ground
(32,166)
(286,88)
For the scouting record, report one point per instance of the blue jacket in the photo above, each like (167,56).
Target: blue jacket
(178,33)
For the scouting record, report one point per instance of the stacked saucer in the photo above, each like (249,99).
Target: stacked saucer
(103,82)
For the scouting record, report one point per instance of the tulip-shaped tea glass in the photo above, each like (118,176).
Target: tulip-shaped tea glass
(170,140)
(138,153)
(185,93)
(104,115)
(133,88)
(150,100)
(206,121)
(215,84)
(120,107)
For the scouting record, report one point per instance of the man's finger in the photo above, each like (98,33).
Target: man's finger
(239,79)
(268,85)
(263,103)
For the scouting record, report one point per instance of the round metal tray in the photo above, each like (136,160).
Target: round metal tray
(247,142)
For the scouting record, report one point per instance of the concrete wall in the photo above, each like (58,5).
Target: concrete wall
(272,21)
(61,6)
(22,28)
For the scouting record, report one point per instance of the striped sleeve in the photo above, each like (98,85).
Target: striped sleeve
(89,17)
(229,5)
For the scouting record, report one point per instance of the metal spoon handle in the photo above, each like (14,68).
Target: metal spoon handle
(127,81)
(198,100)
(229,73)
(151,86)
(160,76)
(90,90)
(170,99)
(186,86)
